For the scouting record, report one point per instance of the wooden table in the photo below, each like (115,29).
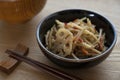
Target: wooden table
(11,35)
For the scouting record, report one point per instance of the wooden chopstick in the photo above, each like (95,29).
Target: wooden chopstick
(58,73)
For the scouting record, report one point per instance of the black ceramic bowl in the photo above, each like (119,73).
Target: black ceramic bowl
(70,15)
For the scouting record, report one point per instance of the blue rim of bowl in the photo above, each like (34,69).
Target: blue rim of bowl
(74,60)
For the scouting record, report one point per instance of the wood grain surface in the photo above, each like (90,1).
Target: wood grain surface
(10,35)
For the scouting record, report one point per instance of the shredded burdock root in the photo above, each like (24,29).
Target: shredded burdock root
(76,39)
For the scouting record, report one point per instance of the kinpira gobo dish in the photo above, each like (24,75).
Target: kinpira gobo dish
(76,38)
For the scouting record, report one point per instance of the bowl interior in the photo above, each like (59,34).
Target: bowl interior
(70,15)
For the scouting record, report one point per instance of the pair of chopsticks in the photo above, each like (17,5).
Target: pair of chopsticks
(55,72)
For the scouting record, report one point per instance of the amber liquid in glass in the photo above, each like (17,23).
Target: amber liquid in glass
(17,11)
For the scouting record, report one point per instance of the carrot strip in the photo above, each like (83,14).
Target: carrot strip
(84,51)
(80,40)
